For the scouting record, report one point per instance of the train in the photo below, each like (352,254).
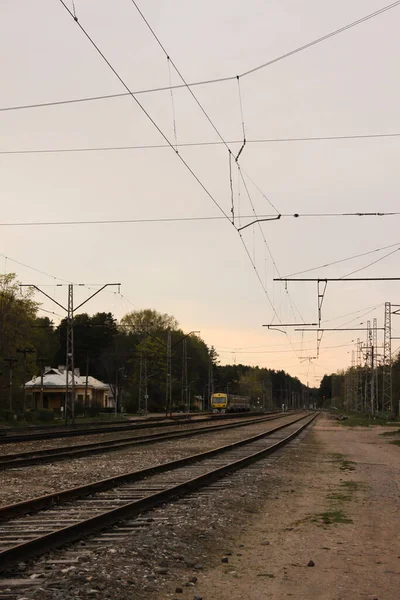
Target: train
(221,402)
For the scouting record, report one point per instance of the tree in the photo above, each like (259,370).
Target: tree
(148,320)
(93,336)
(17,314)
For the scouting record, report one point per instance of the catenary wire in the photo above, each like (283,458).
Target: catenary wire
(34,269)
(370,264)
(336,262)
(180,74)
(184,219)
(125,85)
(215,80)
(194,145)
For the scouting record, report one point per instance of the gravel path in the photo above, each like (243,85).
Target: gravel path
(23,483)
(343,517)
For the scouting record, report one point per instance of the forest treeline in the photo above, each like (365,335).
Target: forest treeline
(106,347)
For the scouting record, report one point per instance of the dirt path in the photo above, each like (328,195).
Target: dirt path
(341,512)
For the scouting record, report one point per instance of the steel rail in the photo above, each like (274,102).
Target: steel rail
(34,457)
(55,538)
(10,438)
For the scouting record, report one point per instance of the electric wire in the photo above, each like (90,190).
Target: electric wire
(180,74)
(370,264)
(322,38)
(125,85)
(183,219)
(336,262)
(265,241)
(172,104)
(34,269)
(191,145)
(210,81)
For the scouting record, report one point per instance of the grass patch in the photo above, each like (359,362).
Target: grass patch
(347,465)
(387,433)
(352,486)
(336,497)
(395,442)
(336,456)
(360,420)
(333,517)
(270,575)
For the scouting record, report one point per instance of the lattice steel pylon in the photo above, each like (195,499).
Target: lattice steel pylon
(374,367)
(69,404)
(358,384)
(387,398)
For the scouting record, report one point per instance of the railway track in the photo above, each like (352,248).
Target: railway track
(34,457)
(13,436)
(35,526)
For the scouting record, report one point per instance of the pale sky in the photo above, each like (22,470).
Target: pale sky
(199,271)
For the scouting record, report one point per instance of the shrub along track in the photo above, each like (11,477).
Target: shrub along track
(33,527)
(34,457)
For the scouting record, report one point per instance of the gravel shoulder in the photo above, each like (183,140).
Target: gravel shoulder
(343,515)
(29,446)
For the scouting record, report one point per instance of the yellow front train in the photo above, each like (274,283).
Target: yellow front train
(229,403)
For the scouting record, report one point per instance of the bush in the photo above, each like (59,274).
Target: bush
(93,411)
(45,415)
(6,414)
(29,416)
(79,409)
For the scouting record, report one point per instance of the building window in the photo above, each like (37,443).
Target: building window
(29,401)
(80,398)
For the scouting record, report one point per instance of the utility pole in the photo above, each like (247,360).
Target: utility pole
(184,388)
(24,352)
(86,382)
(70,365)
(70,310)
(210,382)
(143,394)
(41,362)
(168,385)
(10,362)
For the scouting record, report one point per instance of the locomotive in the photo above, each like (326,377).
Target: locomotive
(221,402)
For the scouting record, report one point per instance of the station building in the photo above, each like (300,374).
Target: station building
(54,388)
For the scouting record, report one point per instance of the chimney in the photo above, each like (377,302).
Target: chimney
(61,368)
(77,372)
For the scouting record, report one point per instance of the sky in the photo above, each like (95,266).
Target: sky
(203,272)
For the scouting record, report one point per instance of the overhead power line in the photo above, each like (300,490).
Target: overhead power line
(371,263)
(193,144)
(336,262)
(149,117)
(34,269)
(209,81)
(189,219)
